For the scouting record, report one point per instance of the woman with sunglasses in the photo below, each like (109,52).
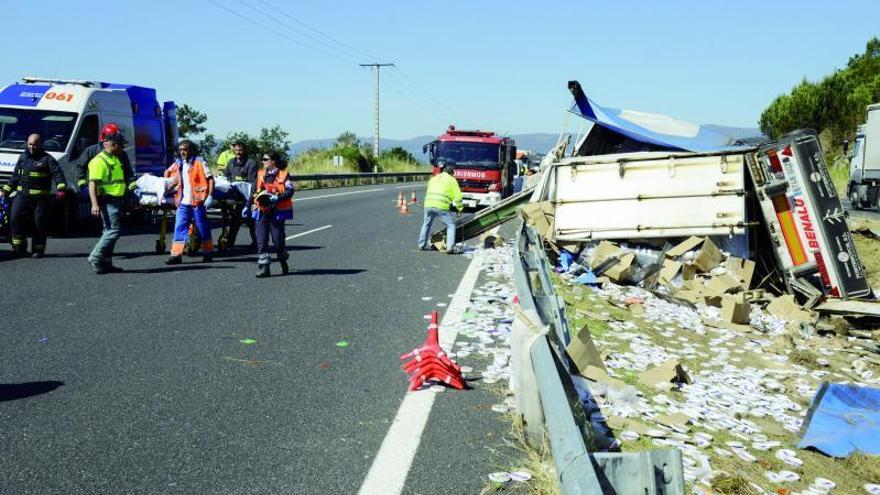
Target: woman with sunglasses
(272,205)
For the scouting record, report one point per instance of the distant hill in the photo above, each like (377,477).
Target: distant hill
(538,142)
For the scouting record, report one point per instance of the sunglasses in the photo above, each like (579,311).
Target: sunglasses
(267,159)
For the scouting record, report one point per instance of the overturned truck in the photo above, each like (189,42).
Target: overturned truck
(646,179)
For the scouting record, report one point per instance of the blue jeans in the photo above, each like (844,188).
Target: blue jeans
(447,218)
(111,211)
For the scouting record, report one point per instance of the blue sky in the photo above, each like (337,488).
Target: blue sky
(479,63)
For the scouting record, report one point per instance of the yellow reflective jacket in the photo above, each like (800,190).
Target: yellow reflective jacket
(442,191)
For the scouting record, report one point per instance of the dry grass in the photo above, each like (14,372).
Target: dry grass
(869,253)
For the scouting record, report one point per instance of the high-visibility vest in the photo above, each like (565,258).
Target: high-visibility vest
(277,187)
(106,170)
(442,191)
(198,180)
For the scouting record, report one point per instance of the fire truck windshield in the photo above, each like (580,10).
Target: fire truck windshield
(476,155)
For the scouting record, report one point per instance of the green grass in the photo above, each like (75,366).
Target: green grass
(840,177)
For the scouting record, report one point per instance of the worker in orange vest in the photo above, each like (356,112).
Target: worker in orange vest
(193,185)
(271,206)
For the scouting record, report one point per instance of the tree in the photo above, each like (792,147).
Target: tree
(190,122)
(399,153)
(274,139)
(347,138)
(208,147)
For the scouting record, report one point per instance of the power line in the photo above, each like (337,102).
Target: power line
(403,87)
(344,53)
(321,33)
(275,31)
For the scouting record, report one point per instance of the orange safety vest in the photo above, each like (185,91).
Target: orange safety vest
(277,186)
(198,181)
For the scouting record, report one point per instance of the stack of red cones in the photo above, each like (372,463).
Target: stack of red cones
(430,363)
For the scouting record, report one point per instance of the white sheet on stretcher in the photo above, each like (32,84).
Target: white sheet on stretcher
(154,190)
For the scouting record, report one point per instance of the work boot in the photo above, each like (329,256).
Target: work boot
(113,269)
(285,269)
(263,271)
(174,260)
(37,255)
(208,258)
(100,268)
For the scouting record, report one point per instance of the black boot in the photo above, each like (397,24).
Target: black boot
(174,260)
(263,270)
(285,269)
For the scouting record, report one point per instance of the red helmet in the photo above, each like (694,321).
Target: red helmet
(107,130)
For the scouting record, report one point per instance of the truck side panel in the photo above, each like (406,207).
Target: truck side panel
(872,144)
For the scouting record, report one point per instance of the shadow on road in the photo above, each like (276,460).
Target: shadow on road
(15,391)
(327,271)
(178,268)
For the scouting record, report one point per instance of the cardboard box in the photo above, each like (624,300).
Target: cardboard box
(664,375)
(669,271)
(708,257)
(689,245)
(623,269)
(735,309)
(723,284)
(540,216)
(583,352)
(743,269)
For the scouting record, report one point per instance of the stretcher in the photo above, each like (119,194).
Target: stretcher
(227,198)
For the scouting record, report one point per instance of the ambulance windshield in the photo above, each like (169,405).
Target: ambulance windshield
(16,124)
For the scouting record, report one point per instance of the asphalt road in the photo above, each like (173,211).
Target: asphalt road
(140,383)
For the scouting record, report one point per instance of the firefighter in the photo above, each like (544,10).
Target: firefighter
(443,192)
(32,180)
(241,169)
(193,185)
(81,165)
(107,185)
(272,205)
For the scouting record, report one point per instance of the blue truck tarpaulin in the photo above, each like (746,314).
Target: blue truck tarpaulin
(662,130)
(843,419)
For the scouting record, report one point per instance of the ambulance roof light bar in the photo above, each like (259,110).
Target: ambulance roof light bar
(88,84)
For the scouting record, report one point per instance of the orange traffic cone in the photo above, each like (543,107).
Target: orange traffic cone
(400,199)
(404,209)
(413,199)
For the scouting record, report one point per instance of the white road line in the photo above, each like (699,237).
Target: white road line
(410,187)
(297,200)
(391,466)
(307,232)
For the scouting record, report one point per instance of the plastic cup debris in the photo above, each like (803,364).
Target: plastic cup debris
(500,408)
(427,298)
(437,388)
(342,343)
(499,477)
(629,436)
(872,488)
(520,476)
(248,341)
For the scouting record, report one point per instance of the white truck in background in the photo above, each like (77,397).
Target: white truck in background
(864,166)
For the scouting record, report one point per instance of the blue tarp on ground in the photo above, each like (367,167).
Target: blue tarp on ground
(843,419)
(663,130)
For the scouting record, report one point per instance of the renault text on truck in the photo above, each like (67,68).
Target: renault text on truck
(69,115)
(484,164)
(864,166)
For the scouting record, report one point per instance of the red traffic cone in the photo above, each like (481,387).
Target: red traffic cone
(431,363)
(412,198)
(404,209)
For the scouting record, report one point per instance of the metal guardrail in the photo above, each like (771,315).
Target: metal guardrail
(369,175)
(579,470)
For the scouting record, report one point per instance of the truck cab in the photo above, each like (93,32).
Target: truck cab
(484,164)
(69,116)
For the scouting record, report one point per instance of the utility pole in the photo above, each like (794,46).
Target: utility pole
(376,67)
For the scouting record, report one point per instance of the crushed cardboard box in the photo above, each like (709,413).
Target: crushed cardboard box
(597,374)
(664,375)
(583,352)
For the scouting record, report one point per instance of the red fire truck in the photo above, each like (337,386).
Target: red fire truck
(484,164)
